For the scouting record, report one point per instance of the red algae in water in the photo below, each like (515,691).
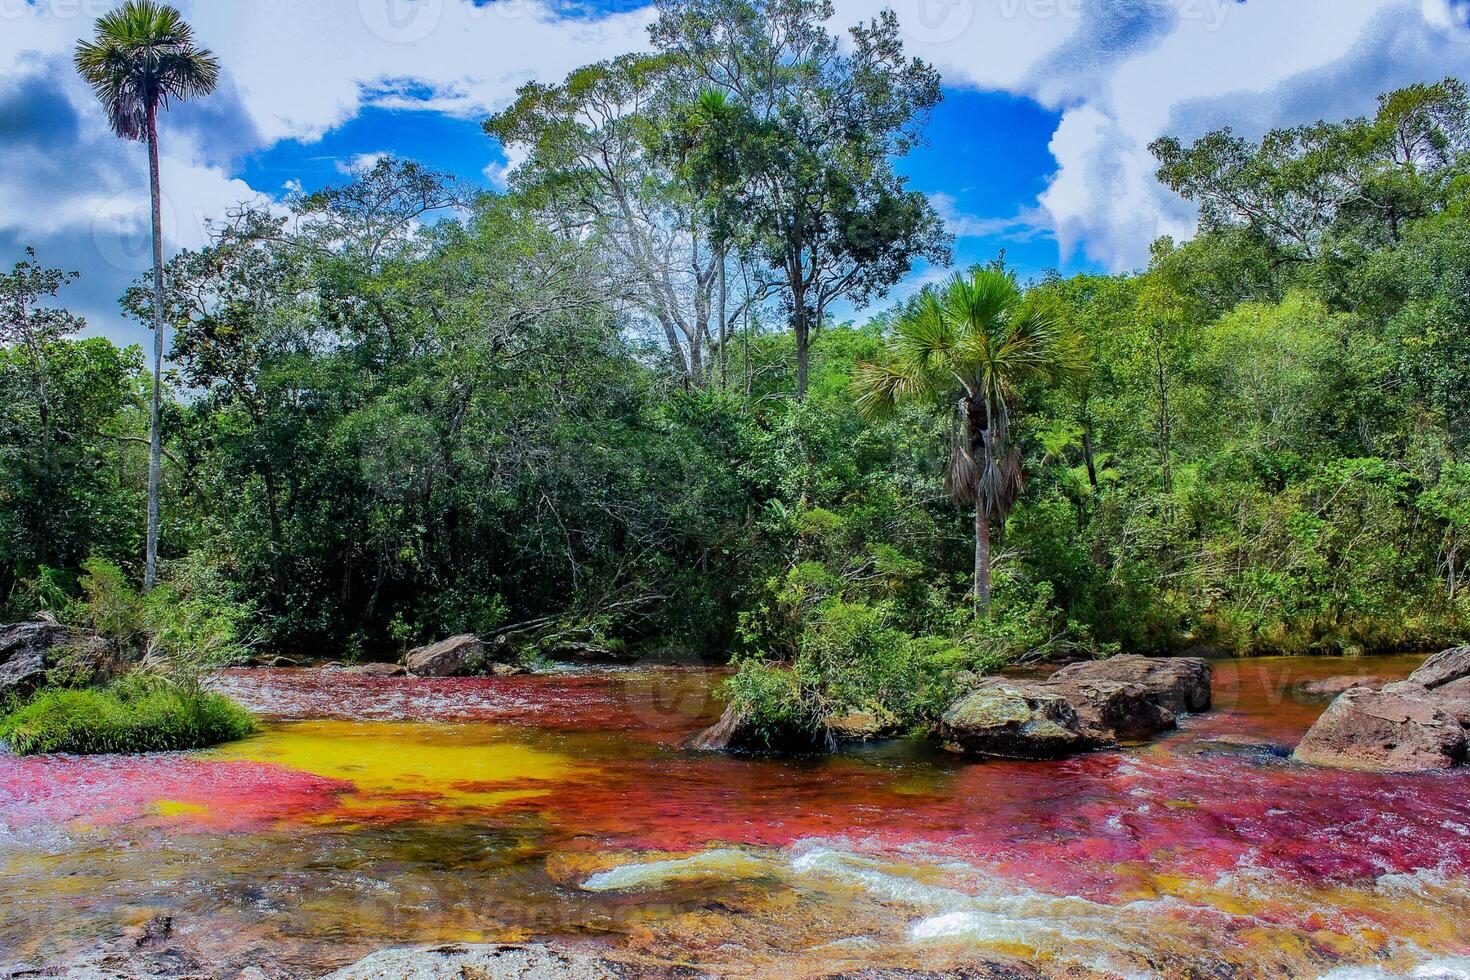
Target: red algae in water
(203,795)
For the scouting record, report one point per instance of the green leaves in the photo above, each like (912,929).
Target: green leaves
(142,57)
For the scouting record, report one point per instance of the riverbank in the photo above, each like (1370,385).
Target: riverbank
(375,812)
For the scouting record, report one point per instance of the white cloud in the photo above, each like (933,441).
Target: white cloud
(1025,225)
(1123,72)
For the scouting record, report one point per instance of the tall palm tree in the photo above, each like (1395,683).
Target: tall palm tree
(143,58)
(971,345)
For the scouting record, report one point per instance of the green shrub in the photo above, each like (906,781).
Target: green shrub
(136,714)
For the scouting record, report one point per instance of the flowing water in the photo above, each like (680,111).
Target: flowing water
(373,812)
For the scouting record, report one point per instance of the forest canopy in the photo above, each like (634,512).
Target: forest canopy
(400,408)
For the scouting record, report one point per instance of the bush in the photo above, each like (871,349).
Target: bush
(136,714)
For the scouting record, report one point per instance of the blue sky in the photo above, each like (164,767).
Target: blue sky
(1039,148)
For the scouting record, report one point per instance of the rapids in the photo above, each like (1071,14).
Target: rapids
(380,811)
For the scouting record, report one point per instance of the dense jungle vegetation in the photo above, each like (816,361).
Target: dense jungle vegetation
(399,408)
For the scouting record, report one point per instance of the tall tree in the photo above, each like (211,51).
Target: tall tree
(142,58)
(809,172)
(973,345)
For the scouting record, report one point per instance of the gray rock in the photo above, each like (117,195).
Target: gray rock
(374,670)
(1331,687)
(1013,721)
(27,651)
(458,656)
(494,962)
(1402,728)
(1179,684)
(1114,711)
(1443,668)
(1454,698)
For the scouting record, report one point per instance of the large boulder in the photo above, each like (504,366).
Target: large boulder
(1013,721)
(29,650)
(1114,711)
(458,656)
(1178,684)
(865,725)
(1402,728)
(1443,668)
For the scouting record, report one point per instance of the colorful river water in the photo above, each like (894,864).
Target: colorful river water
(374,812)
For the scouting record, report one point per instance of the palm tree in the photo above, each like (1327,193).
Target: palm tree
(971,345)
(142,59)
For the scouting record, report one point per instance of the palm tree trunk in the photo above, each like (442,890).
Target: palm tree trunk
(982,558)
(155,458)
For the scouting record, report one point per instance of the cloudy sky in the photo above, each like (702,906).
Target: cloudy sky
(1040,147)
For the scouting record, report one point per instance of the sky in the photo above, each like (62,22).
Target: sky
(1040,147)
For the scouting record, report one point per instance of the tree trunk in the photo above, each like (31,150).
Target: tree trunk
(982,559)
(155,456)
(1087,452)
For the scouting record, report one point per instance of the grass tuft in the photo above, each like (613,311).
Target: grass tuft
(134,715)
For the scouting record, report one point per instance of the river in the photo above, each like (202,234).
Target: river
(373,812)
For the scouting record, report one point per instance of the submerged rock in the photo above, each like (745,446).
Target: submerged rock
(374,670)
(458,656)
(1402,728)
(1443,668)
(1179,684)
(1331,687)
(497,962)
(1013,721)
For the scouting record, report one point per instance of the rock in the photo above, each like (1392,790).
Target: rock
(863,726)
(1179,684)
(1402,728)
(1454,698)
(1113,711)
(374,670)
(508,670)
(1013,721)
(458,656)
(1442,668)
(27,651)
(495,962)
(1331,687)
(735,733)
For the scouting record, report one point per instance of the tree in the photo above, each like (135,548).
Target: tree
(806,143)
(143,58)
(973,345)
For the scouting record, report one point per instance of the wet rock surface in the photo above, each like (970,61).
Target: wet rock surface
(1179,684)
(1443,668)
(1013,721)
(1401,728)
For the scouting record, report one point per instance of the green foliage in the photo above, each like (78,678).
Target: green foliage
(189,624)
(137,714)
